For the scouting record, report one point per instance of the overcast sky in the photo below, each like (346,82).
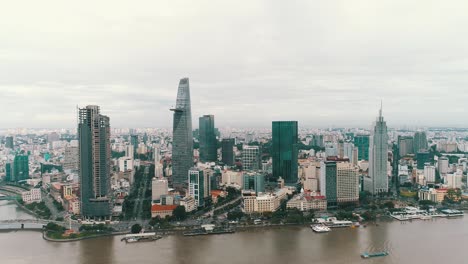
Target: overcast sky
(323,63)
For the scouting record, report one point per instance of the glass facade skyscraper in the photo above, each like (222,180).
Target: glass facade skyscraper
(182,141)
(378,156)
(207,138)
(362,144)
(227,151)
(285,150)
(95,166)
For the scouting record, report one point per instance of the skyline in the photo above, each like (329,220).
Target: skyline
(323,64)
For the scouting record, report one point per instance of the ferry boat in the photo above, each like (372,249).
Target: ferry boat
(320,228)
(366,255)
(452,213)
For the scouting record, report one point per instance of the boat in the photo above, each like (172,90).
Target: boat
(142,237)
(320,228)
(366,255)
(209,230)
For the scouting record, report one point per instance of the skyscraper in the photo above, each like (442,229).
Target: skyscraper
(94,156)
(227,151)
(17,170)
(207,138)
(9,142)
(251,158)
(199,185)
(328,182)
(285,150)
(420,141)
(182,141)
(405,145)
(378,156)
(347,183)
(362,143)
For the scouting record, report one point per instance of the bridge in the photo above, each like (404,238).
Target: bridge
(27,224)
(9,197)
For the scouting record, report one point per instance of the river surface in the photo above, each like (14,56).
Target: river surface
(435,241)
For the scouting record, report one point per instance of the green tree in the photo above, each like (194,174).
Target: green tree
(179,213)
(136,228)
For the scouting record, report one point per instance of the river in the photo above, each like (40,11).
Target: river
(434,241)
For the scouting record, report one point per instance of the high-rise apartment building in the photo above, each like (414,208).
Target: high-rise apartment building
(285,150)
(207,138)
(378,156)
(95,166)
(227,151)
(251,158)
(182,141)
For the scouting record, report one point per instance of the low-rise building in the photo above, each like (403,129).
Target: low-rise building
(189,204)
(264,202)
(431,194)
(32,196)
(162,210)
(305,202)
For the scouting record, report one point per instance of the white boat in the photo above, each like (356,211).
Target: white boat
(131,240)
(320,228)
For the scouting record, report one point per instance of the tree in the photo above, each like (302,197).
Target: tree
(389,204)
(136,228)
(179,213)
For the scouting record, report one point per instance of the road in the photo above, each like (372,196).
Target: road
(221,207)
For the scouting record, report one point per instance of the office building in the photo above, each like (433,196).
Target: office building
(199,185)
(362,144)
(422,158)
(420,142)
(378,156)
(9,142)
(182,141)
(207,139)
(227,151)
(95,156)
(159,186)
(328,182)
(347,183)
(265,202)
(18,169)
(285,150)
(251,158)
(405,145)
(254,181)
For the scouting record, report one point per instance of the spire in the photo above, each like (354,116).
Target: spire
(380,112)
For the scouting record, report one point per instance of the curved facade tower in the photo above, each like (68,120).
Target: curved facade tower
(378,156)
(182,140)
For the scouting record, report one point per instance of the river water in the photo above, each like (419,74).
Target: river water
(434,241)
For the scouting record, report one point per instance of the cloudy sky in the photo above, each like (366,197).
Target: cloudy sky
(323,63)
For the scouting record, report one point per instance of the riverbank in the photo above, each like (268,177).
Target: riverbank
(62,240)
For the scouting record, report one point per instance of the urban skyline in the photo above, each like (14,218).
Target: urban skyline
(348,59)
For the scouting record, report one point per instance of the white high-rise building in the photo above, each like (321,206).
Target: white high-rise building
(454,181)
(443,165)
(429,173)
(125,164)
(378,156)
